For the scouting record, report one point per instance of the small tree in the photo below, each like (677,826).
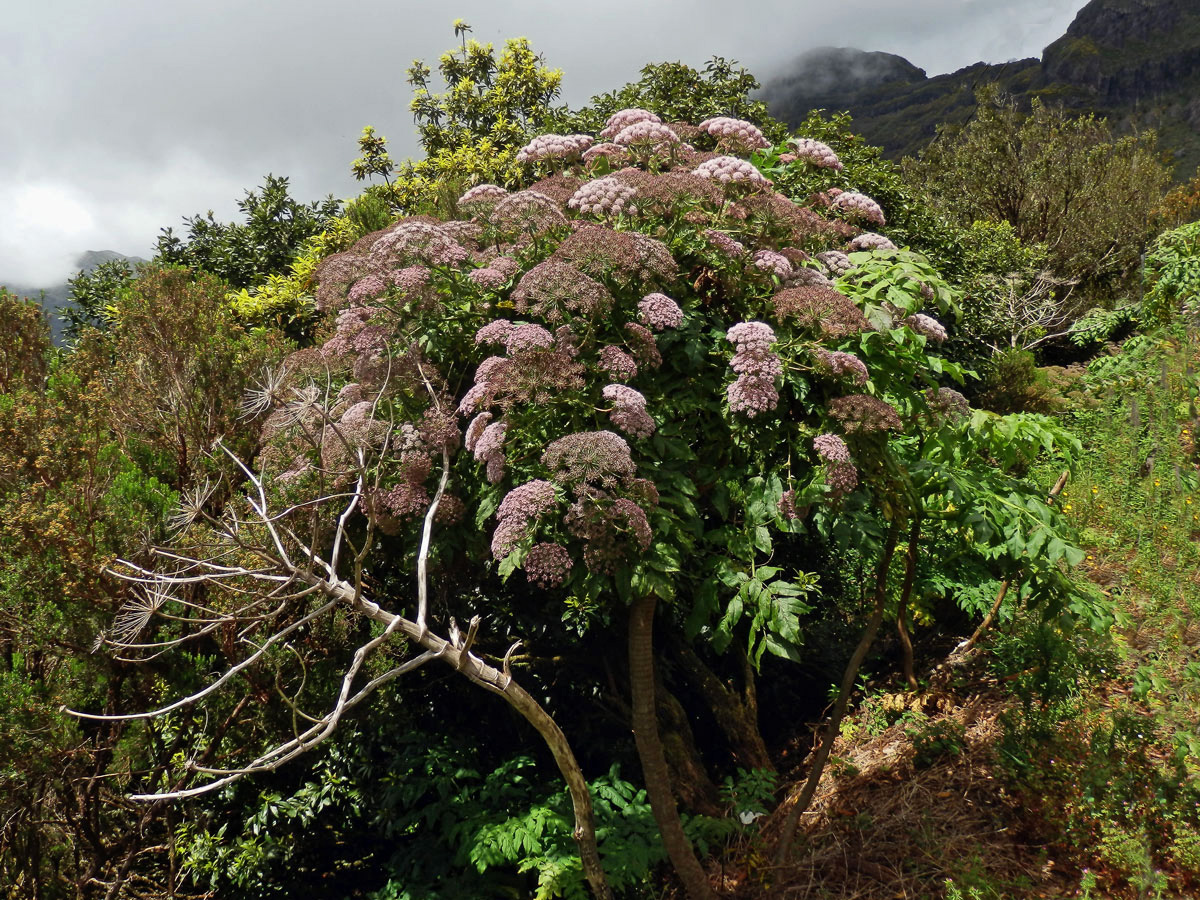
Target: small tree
(1061,181)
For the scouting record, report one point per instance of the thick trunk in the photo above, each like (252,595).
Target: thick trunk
(650,751)
(788,832)
(736,717)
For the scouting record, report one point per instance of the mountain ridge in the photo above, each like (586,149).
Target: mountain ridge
(1136,62)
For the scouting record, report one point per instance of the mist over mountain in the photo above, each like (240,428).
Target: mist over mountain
(1137,62)
(55,297)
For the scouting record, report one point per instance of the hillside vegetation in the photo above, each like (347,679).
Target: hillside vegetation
(639,500)
(1133,62)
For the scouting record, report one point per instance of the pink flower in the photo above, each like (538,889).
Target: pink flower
(554,146)
(724,243)
(737,131)
(653,135)
(629,410)
(526,337)
(621,119)
(659,311)
(483,193)
(366,289)
(729,170)
(772,263)
(816,153)
(831,448)
(858,206)
(928,326)
(604,196)
(590,458)
(496,332)
(547,565)
(871,241)
(617,363)
(752,395)
(844,365)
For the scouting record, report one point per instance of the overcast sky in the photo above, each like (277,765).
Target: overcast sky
(119,117)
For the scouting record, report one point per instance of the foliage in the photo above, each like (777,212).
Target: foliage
(470,132)
(1059,180)
(676,92)
(244,254)
(1012,382)
(93,295)
(1172,275)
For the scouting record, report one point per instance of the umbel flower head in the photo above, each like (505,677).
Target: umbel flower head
(623,118)
(772,263)
(816,153)
(528,212)
(518,514)
(554,146)
(604,196)
(598,459)
(659,311)
(843,365)
(928,326)
(555,291)
(547,565)
(753,391)
(629,410)
(731,171)
(646,136)
(854,205)
(835,261)
(869,240)
(735,131)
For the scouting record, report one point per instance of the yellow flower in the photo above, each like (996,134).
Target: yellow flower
(1095,490)
(1157,483)
(1067,507)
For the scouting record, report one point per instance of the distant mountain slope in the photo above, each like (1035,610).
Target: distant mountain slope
(55,297)
(1135,61)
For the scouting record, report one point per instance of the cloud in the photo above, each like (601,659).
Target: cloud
(134,113)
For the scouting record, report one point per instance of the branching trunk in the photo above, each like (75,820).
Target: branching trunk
(650,751)
(736,716)
(788,831)
(500,682)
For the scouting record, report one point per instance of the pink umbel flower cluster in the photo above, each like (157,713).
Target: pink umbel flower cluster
(613,533)
(788,508)
(528,337)
(836,262)
(646,135)
(806,276)
(554,146)
(489,450)
(729,170)
(629,411)
(725,243)
(555,290)
(753,391)
(412,241)
(854,205)
(840,473)
(604,196)
(410,278)
(617,363)
(518,514)
(488,278)
(623,118)
(737,131)
(831,448)
(589,459)
(870,241)
(947,404)
(843,365)
(659,311)
(483,194)
(366,289)
(862,412)
(494,332)
(643,345)
(927,326)
(772,263)
(527,211)
(614,153)
(547,565)
(816,153)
